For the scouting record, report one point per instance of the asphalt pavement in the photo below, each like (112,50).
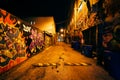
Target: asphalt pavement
(57,62)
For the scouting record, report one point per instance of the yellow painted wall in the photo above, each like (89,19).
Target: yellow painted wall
(92,2)
(45,24)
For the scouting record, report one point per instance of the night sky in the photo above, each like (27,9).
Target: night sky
(33,8)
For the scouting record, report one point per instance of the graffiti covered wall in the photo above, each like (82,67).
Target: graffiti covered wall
(17,40)
(12,42)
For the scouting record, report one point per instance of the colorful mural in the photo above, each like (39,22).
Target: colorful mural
(37,41)
(48,39)
(12,42)
(18,40)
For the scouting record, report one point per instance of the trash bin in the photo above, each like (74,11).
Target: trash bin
(112,63)
(106,59)
(115,65)
(87,50)
(75,45)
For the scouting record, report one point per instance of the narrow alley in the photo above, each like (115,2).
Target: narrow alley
(60,40)
(58,62)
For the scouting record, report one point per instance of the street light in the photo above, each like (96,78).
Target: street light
(18,22)
(61,30)
(62,35)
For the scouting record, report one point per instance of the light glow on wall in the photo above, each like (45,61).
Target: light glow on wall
(80,7)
